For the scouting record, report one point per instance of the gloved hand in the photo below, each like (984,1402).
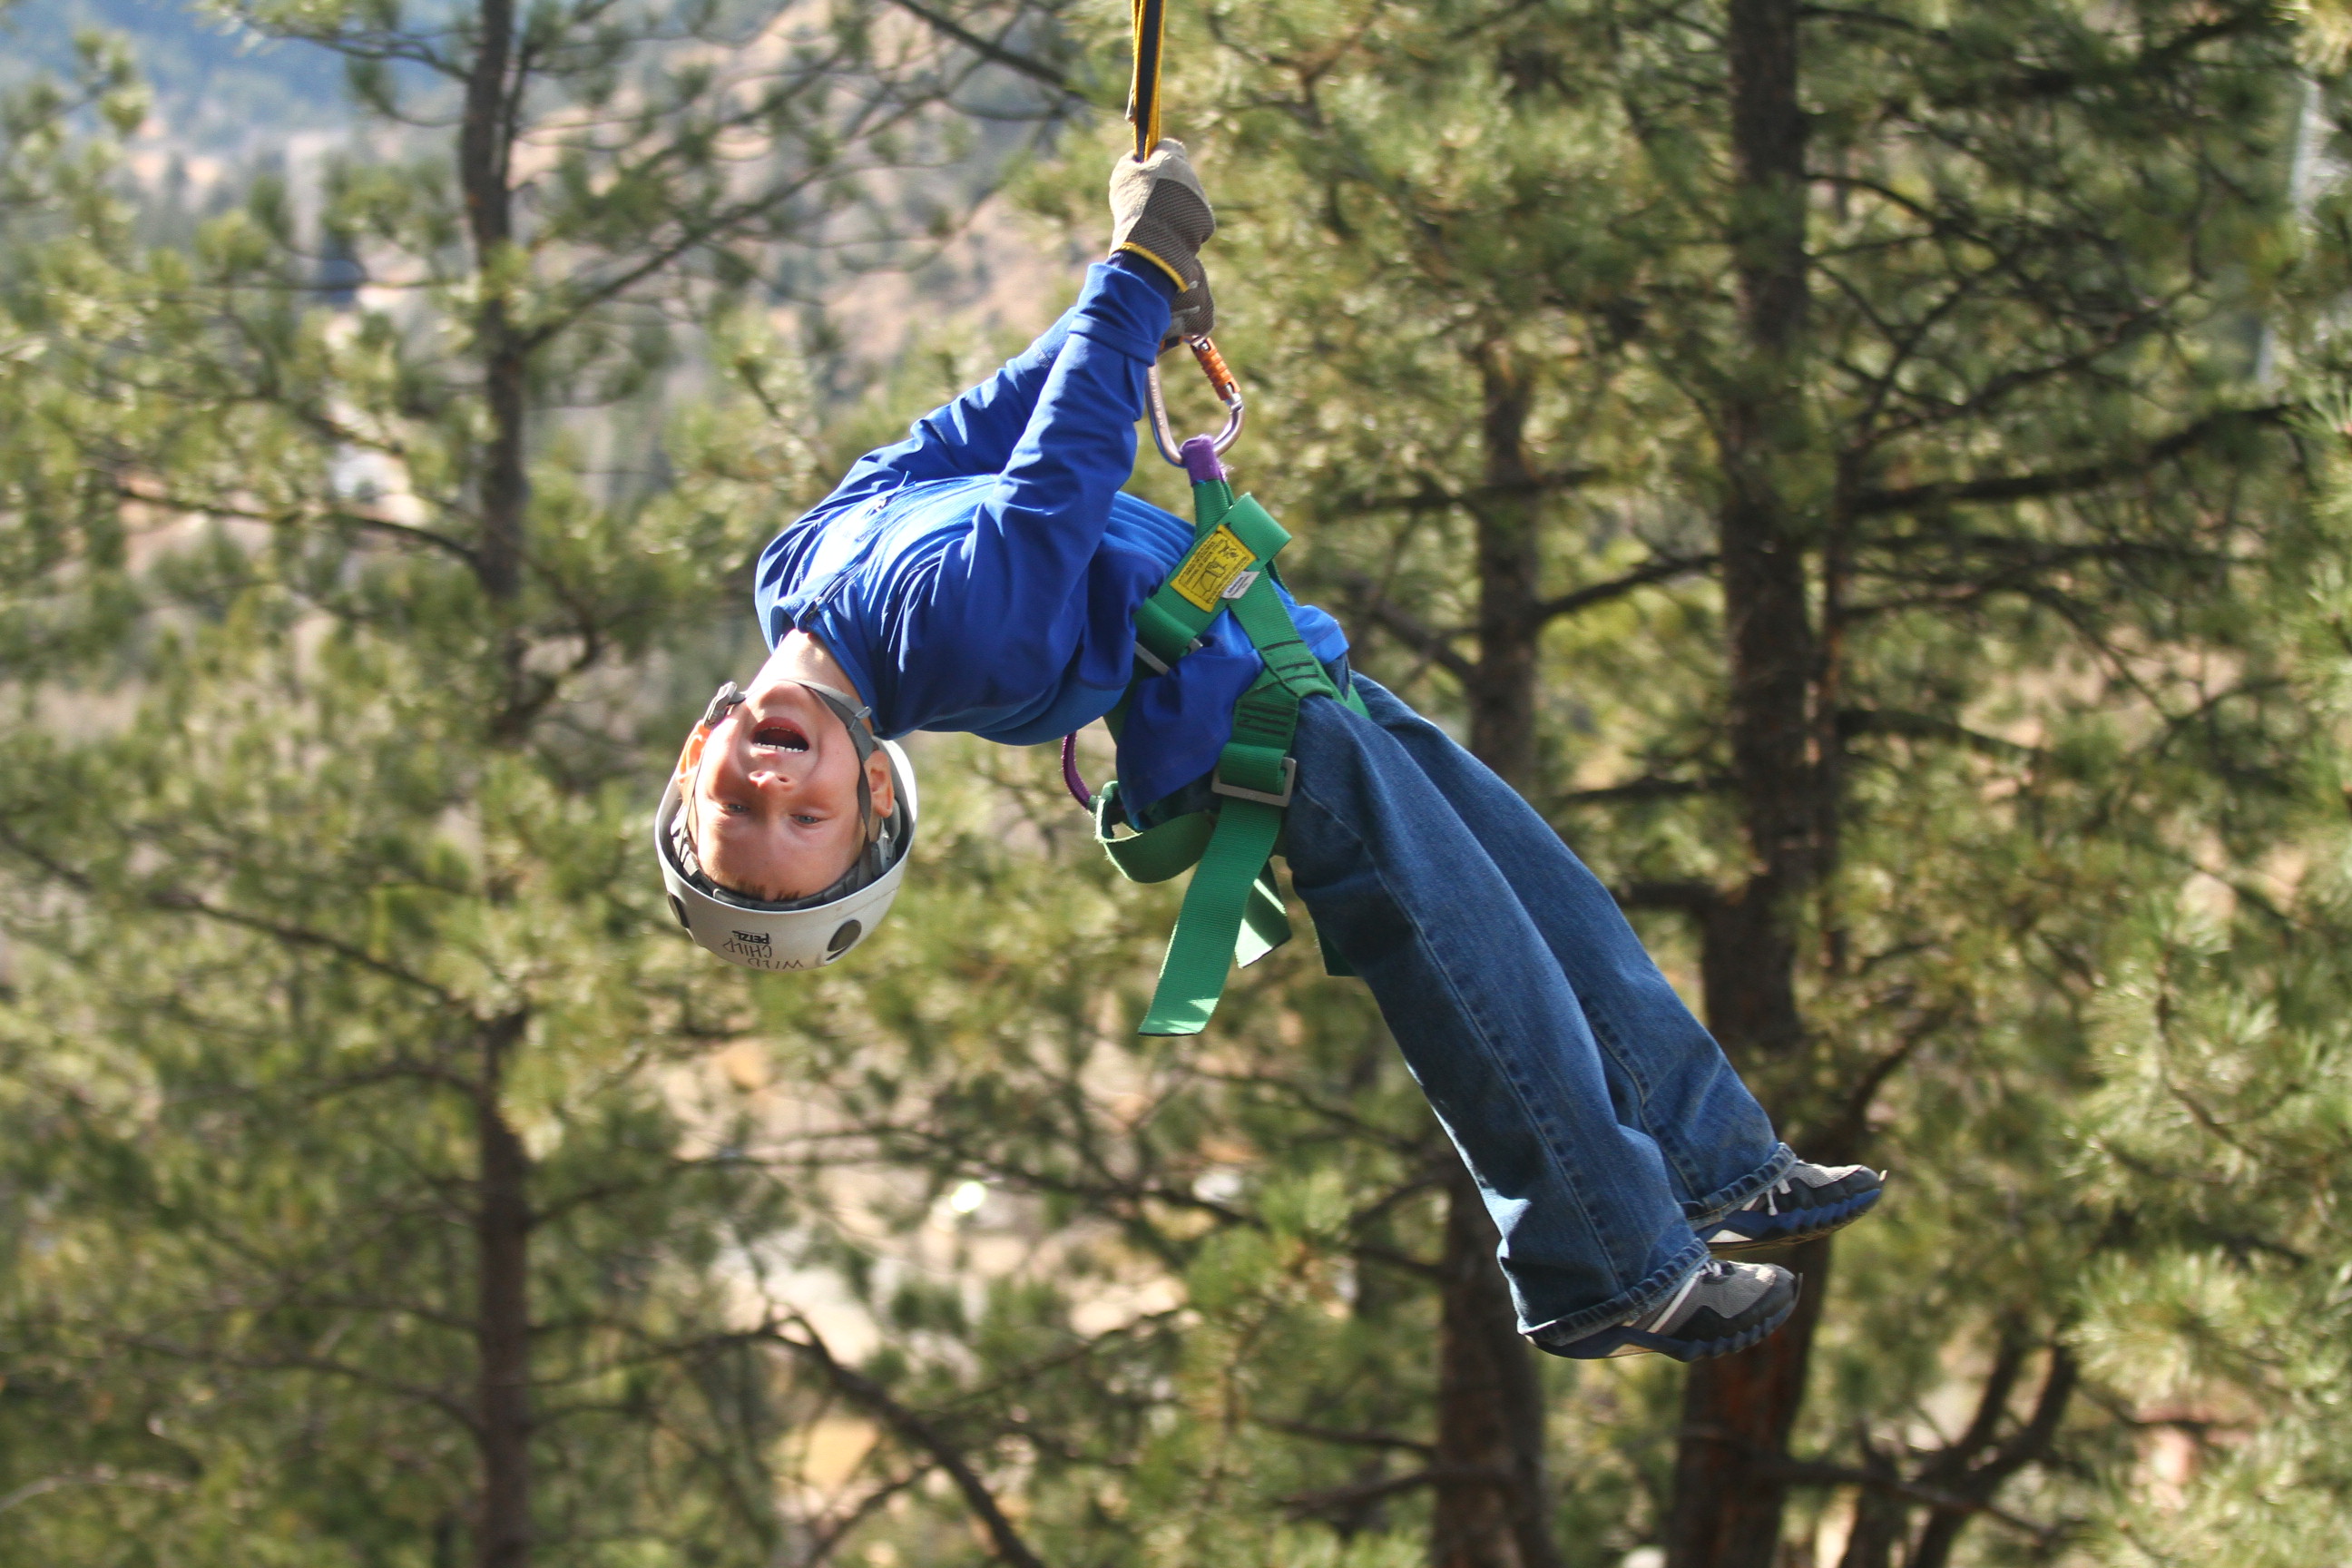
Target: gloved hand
(1158,212)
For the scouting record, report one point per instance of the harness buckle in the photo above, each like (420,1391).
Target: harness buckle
(1289,784)
(1157,665)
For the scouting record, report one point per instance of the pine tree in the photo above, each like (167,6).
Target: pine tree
(2213,1146)
(1843,428)
(1868,561)
(1824,459)
(376,1179)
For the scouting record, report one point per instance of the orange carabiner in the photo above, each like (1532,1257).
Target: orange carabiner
(1221,382)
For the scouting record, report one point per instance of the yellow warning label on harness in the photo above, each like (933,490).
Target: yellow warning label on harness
(1214,562)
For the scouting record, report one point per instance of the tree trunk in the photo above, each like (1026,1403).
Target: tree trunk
(484,141)
(1960,1472)
(1489,1398)
(502,1218)
(1738,1411)
(1753,992)
(1502,693)
(1737,1416)
(1490,1512)
(502,1223)
(1878,1522)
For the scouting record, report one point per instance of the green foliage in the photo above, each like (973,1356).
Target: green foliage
(2215,1143)
(375,1200)
(320,846)
(2054,539)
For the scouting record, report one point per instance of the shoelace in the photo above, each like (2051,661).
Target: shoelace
(1787,1186)
(1713,1269)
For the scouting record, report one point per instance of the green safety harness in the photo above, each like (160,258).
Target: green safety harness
(1233,910)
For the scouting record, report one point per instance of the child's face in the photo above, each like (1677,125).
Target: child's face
(774,795)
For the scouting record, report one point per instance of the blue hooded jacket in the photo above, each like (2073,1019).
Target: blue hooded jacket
(984,574)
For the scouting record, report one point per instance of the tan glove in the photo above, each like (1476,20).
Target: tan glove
(1159,212)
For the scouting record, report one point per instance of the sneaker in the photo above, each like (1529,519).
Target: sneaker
(1721,1308)
(1809,1200)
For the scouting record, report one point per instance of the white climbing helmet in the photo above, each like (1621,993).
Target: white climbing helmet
(797,933)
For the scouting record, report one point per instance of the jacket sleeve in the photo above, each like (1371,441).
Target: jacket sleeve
(1016,582)
(974,434)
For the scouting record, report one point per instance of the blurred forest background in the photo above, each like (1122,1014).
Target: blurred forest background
(1876,475)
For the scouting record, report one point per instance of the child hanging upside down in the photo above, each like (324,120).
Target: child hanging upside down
(985,574)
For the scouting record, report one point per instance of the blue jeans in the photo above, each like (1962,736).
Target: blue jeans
(1599,1118)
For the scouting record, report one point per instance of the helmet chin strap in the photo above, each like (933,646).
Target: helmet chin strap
(857,718)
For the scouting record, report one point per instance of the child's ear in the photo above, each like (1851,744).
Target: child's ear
(878,783)
(691,756)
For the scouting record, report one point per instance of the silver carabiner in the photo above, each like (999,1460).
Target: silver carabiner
(1220,380)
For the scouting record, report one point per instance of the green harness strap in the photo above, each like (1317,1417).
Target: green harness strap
(1232,911)
(1234,544)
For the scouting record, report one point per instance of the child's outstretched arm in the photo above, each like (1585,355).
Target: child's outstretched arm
(1043,516)
(1015,579)
(992,512)
(1159,218)
(972,434)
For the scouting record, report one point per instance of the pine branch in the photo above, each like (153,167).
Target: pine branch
(1011,60)
(1952,1465)
(288,517)
(1346,1439)
(1431,643)
(327,1366)
(1692,895)
(1840,1138)
(104,1476)
(1339,1499)
(1659,569)
(1432,496)
(1649,786)
(1810,1473)
(828,1538)
(1997,489)
(1977,1483)
(915,1430)
(1852,722)
(179,902)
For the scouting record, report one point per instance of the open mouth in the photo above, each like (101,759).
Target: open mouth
(777,733)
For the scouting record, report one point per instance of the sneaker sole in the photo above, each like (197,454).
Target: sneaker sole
(1611,1342)
(1726,1242)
